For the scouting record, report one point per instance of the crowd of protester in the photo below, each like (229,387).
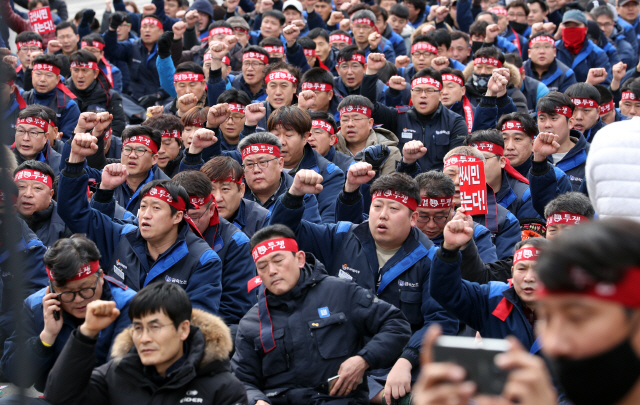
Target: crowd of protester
(239,202)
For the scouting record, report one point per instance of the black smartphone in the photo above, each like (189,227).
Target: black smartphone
(476,358)
(56,314)
(325,387)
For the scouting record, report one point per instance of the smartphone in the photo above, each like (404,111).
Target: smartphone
(325,387)
(477,359)
(56,314)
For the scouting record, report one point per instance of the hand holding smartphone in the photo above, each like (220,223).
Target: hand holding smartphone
(56,314)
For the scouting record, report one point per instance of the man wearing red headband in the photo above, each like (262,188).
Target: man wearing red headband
(231,129)
(321,82)
(75,280)
(49,91)
(11,102)
(171,152)
(282,82)
(367,37)
(324,136)
(190,85)
(543,65)
(94,43)
(161,248)
(630,99)
(387,255)
(35,204)
(587,112)
(351,66)
(589,308)
(293,285)
(251,81)
(423,50)
(566,210)
(31,138)
(518,132)
(28,43)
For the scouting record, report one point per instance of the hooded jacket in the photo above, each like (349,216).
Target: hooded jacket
(590,56)
(474,94)
(48,225)
(558,77)
(202,375)
(377,136)
(573,163)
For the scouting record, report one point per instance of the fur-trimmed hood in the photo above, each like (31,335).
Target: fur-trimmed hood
(217,336)
(514,80)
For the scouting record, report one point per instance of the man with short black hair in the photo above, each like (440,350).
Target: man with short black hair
(271,26)
(398,19)
(630,98)
(231,129)
(67,36)
(544,66)
(190,86)
(518,133)
(251,81)
(573,208)
(460,47)
(324,136)
(27,43)
(94,43)
(417,12)
(322,83)
(172,353)
(351,65)
(586,98)
(32,138)
(171,150)
(386,30)
(624,40)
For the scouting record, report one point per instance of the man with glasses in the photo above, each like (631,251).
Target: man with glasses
(28,43)
(424,49)
(50,92)
(543,65)
(366,35)
(251,81)
(173,353)
(31,142)
(351,66)
(231,129)
(52,314)
(68,38)
(438,128)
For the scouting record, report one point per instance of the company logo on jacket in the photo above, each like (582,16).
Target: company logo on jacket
(170,279)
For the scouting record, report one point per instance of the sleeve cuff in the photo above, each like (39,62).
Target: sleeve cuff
(486,101)
(448,256)
(409,169)
(103,196)
(84,339)
(539,168)
(394,92)
(40,349)
(292,201)
(413,355)
(350,198)
(192,158)
(73,169)
(215,76)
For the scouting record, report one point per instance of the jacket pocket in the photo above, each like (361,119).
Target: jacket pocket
(411,306)
(332,336)
(277,360)
(442,145)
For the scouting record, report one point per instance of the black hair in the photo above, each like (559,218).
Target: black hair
(490,52)
(339,32)
(632,85)
(83,56)
(66,255)
(318,75)
(36,165)
(318,32)
(48,59)
(455,35)
(528,123)
(602,10)
(190,67)
(133,130)
(255,49)
(66,24)
(259,137)
(355,100)
(583,90)
(442,37)
(605,94)
(195,183)
(379,11)
(428,72)
(514,59)
(399,182)
(125,15)
(543,4)
(176,191)
(538,243)
(485,135)
(26,36)
(425,38)
(221,167)
(452,71)
(400,11)
(599,251)
(479,27)
(435,184)
(494,16)
(359,7)
(348,51)
(52,114)
(277,14)
(387,71)
(218,24)
(281,65)
(418,4)
(234,95)
(7,72)
(573,202)
(325,116)
(291,118)
(548,103)
(271,232)
(519,3)
(167,122)
(167,298)
(34,110)
(93,38)
(307,43)
(271,41)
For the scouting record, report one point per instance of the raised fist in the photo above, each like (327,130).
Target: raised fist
(191,18)
(54,46)
(545,144)
(402,61)
(86,122)
(440,63)
(397,83)
(412,151)
(375,62)
(374,40)
(178,29)
(254,113)
(113,175)
(202,139)
(358,174)
(149,9)
(306,182)
(335,18)
(597,75)
(306,99)
(83,145)
(218,114)
(491,33)
(103,121)
(155,110)
(187,102)
(291,34)
(99,315)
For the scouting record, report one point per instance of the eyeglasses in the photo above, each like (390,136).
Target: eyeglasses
(438,219)
(152,330)
(236,118)
(546,48)
(419,55)
(263,165)
(32,134)
(517,15)
(354,66)
(419,90)
(30,49)
(346,120)
(126,150)
(85,293)
(197,217)
(254,65)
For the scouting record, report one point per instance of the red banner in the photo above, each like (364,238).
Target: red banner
(473,188)
(41,21)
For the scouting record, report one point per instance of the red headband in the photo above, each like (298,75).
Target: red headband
(240,29)
(280,75)
(624,292)
(402,198)
(324,125)
(85,65)
(220,31)
(340,38)
(174,134)
(36,175)
(490,147)
(543,38)
(231,178)
(526,253)
(484,60)
(426,80)
(235,107)
(606,108)
(356,57)
(512,126)
(436,202)
(188,77)
(198,202)
(310,52)
(365,21)
(226,60)
(31,42)
(261,148)
(152,21)
(40,123)
(163,194)
(143,140)
(357,109)
(107,134)
(83,272)
(563,110)
(317,86)
(207,56)
(274,49)
(455,160)
(94,44)
(274,245)
(585,102)
(255,55)
(627,95)
(566,218)
(452,78)
(499,11)
(424,46)
(46,67)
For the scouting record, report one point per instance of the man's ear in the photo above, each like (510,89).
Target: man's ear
(177,217)
(414,218)
(370,123)
(301,257)
(464,90)
(184,329)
